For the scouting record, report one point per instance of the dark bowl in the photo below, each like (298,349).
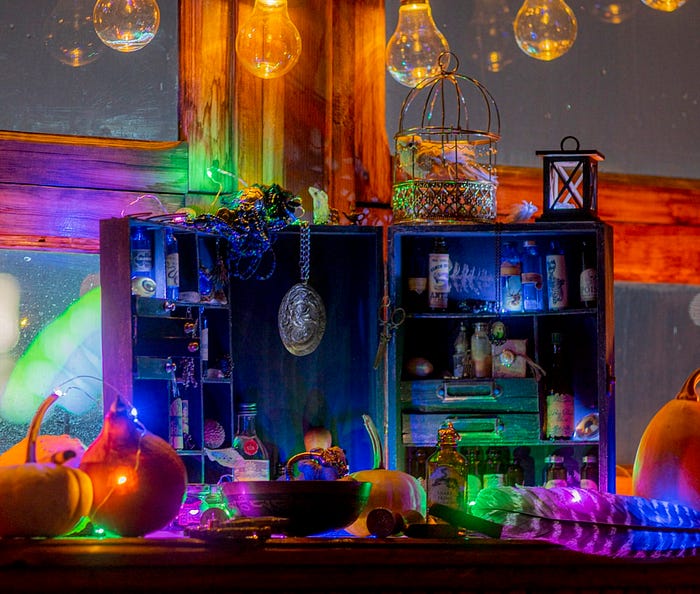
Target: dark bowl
(311,507)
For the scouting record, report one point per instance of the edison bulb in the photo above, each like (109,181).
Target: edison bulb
(545,29)
(414,48)
(268,43)
(664,5)
(126,25)
(69,33)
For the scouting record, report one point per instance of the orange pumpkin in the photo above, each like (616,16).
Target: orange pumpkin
(42,499)
(394,490)
(667,463)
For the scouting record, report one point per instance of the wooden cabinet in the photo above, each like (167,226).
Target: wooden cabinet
(152,346)
(502,412)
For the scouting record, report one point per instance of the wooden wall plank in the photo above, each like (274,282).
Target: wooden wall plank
(206,90)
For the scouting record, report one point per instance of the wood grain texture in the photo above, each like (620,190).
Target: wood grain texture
(656,221)
(206,90)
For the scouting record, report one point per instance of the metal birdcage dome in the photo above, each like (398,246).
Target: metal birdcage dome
(445,151)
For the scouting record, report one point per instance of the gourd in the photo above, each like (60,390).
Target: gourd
(42,498)
(138,479)
(667,463)
(394,490)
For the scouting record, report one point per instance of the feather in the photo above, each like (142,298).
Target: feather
(591,521)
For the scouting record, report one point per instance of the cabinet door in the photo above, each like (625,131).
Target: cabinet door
(507,409)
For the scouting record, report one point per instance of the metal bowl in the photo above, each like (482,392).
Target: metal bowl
(311,507)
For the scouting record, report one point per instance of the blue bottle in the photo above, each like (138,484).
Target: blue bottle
(142,276)
(532,277)
(172,267)
(511,288)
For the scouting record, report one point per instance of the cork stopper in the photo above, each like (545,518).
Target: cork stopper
(448,435)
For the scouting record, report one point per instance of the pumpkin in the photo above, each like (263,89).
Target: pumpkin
(667,463)
(397,491)
(139,481)
(62,449)
(42,498)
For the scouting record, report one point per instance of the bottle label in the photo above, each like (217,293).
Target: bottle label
(494,480)
(587,483)
(560,415)
(418,284)
(251,470)
(446,486)
(172,270)
(141,260)
(176,433)
(512,293)
(557,288)
(532,278)
(438,280)
(588,285)
(250,447)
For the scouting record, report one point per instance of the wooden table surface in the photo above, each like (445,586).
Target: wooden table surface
(336,565)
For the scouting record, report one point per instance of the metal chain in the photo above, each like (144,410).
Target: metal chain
(305,251)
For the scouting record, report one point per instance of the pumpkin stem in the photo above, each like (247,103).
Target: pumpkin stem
(689,389)
(377,454)
(35,425)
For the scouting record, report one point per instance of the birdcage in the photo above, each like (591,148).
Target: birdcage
(445,151)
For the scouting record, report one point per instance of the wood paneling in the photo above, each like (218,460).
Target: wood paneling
(656,221)
(321,125)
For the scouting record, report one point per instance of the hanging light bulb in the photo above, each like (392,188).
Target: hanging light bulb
(69,33)
(268,44)
(126,25)
(545,29)
(664,5)
(615,12)
(415,46)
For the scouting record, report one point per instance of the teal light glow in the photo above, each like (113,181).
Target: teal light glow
(67,353)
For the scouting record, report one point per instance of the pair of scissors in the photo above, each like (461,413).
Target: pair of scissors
(390,319)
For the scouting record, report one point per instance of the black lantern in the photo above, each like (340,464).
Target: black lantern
(570,183)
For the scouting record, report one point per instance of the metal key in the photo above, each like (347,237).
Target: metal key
(390,320)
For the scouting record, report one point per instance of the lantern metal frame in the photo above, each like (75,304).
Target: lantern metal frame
(445,171)
(570,183)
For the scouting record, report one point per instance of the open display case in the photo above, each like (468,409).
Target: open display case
(337,383)
(506,412)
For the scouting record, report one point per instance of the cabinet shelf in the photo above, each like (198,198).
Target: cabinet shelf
(506,412)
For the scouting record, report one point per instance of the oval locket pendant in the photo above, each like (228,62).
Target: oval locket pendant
(301,318)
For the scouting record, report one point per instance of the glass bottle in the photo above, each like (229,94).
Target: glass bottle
(557,283)
(142,275)
(204,345)
(510,278)
(417,281)
(515,475)
(474,477)
(438,275)
(461,347)
(555,472)
(446,477)
(559,395)
(532,279)
(588,291)
(251,461)
(172,267)
(481,351)
(589,472)
(494,476)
